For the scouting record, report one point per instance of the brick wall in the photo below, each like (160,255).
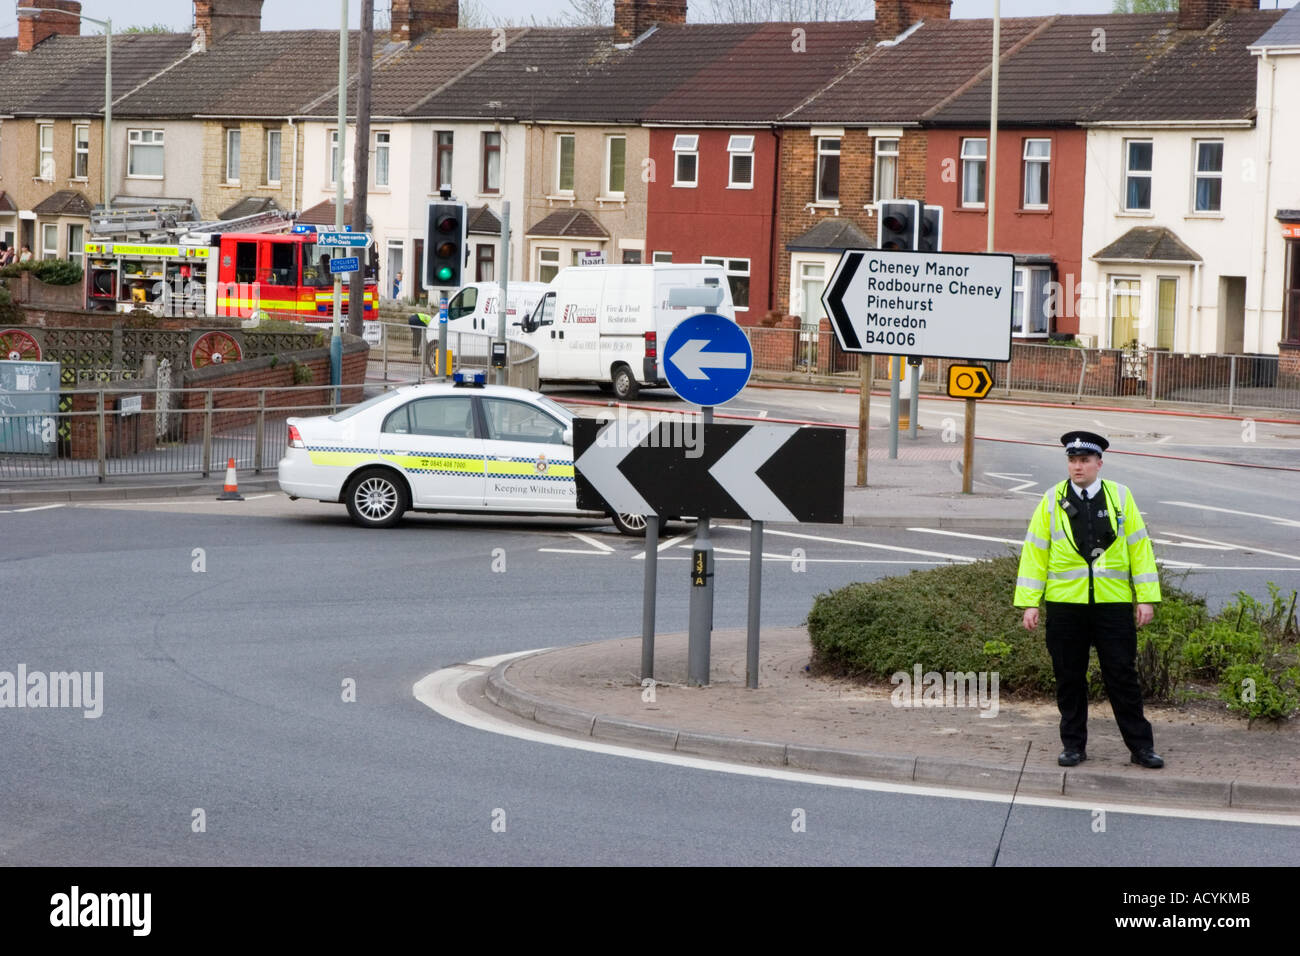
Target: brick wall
(53,318)
(798,179)
(1288,365)
(124,435)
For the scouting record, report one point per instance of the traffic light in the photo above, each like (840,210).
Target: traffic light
(930,232)
(444,244)
(897,224)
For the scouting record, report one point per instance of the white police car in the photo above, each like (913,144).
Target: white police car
(466,447)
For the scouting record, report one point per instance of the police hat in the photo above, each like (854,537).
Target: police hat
(1084,443)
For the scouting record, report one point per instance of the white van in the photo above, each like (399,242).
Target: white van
(605,324)
(474,308)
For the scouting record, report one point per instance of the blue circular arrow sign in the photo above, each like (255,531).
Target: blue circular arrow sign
(707,359)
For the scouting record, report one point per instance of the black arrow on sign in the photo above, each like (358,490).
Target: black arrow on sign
(834,301)
(745,472)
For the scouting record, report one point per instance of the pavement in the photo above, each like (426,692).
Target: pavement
(796,719)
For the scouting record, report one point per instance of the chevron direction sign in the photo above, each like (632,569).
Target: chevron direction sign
(745,472)
(923,304)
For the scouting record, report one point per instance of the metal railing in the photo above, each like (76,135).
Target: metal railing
(401,345)
(1156,375)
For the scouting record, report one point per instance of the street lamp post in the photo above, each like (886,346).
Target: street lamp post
(107,146)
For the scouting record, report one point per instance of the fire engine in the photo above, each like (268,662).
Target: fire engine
(209,271)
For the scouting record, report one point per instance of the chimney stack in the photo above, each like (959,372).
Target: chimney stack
(413,18)
(57,18)
(216,18)
(895,16)
(1199,14)
(634,17)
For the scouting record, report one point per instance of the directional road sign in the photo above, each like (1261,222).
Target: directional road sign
(940,304)
(345,240)
(968,381)
(744,472)
(707,359)
(345,264)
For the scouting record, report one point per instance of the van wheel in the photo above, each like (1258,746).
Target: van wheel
(376,498)
(631,525)
(624,383)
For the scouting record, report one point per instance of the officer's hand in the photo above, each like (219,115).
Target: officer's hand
(1146,614)
(1031,618)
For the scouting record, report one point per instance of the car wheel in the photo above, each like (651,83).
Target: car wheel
(632,525)
(376,498)
(624,383)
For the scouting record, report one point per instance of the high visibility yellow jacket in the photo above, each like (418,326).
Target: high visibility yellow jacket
(1051,567)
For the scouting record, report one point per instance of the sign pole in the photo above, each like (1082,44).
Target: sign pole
(701,612)
(649,596)
(865,368)
(915,399)
(895,370)
(968,451)
(755,602)
(442,335)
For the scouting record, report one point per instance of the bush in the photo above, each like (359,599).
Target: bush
(960,618)
(49,271)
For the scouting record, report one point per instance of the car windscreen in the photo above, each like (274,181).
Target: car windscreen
(556,408)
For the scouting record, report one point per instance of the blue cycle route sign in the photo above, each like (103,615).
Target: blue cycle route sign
(707,359)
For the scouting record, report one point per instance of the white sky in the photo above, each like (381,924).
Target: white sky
(324,14)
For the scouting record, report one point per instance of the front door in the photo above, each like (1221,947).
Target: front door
(435,443)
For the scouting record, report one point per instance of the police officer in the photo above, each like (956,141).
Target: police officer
(1086,551)
(418,321)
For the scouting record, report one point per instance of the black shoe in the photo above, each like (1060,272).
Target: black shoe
(1149,759)
(1071,758)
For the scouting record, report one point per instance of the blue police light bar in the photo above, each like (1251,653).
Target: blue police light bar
(470,378)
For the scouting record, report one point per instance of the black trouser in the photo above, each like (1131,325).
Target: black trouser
(1071,628)
(417,334)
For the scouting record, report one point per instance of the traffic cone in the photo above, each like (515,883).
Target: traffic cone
(231,491)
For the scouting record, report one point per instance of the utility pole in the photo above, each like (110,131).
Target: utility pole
(361,164)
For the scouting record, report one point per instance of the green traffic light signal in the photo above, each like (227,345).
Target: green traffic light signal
(444,273)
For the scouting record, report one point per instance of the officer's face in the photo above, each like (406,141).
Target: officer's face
(1083,469)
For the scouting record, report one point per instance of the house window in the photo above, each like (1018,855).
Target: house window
(442,168)
(45,155)
(685,160)
(273,157)
(76,240)
(740,150)
(49,241)
(485,257)
(1038,160)
(232,155)
(1137,175)
(564,163)
(1209,175)
(548,264)
(1290,295)
(144,153)
(886,169)
(81,152)
(334,157)
(974,161)
(1030,301)
(828,169)
(383,140)
(1125,310)
(661,257)
(615,165)
(737,278)
(1167,309)
(491,162)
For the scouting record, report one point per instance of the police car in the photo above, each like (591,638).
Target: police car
(463,447)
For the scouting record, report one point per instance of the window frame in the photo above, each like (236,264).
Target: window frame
(982,160)
(1022,285)
(487,149)
(232,154)
(740,145)
(485,253)
(1211,175)
(384,163)
(439,148)
(1111,297)
(825,152)
(273,154)
(1130,175)
(333,158)
(1029,175)
(46,171)
(728,264)
(1173,318)
(686,145)
(560,141)
(661,256)
(79,253)
(136,141)
(47,229)
(545,262)
(80,155)
(607,173)
(881,155)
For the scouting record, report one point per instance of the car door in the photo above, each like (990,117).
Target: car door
(529,467)
(434,441)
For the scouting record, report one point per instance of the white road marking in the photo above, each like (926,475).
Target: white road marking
(1285,522)
(1184,544)
(19,511)
(594,542)
(1020,488)
(963,534)
(599,554)
(860,544)
(439,692)
(786,559)
(664,545)
(1243,547)
(1163,439)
